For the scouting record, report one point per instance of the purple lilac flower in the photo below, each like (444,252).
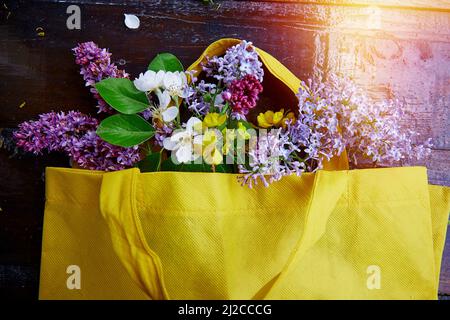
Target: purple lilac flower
(91,152)
(74,134)
(239,71)
(53,131)
(238,61)
(243,94)
(197,101)
(163,132)
(335,116)
(147,113)
(272,157)
(96,65)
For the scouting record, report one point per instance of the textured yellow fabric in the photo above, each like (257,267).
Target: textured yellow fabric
(440,203)
(280,72)
(309,237)
(76,234)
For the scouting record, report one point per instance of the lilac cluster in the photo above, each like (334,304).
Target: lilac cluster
(96,65)
(74,134)
(271,157)
(238,76)
(243,95)
(53,131)
(336,115)
(91,152)
(163,132)
(238,61)
(199,102)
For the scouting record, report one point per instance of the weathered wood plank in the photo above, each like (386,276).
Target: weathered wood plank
(383,52)
(440,5)
(410,4)
(387,50)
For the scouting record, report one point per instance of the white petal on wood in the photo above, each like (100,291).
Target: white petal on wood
(131,21)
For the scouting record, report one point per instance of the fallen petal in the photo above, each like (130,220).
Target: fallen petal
(131,21)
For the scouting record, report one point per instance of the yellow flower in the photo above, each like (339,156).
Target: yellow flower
(274,119)
(214,119)
(270,119)
(211,154)
(229,135)
(226,148)
(242,131)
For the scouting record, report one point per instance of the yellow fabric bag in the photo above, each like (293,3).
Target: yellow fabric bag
(360,234)
(308,237)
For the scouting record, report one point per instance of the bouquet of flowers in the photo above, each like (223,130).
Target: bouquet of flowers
(215,120)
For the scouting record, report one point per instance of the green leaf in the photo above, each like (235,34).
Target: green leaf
(165,62)
(247,125)
(122,95)
(169,165)
(225,168)
(125,130)
(150,163)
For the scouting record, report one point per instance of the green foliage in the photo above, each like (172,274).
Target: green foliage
(125,130)
(150,163)
(165,62)
(122,95)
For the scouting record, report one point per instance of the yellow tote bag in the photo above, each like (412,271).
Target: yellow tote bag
(202,235)
(360,234)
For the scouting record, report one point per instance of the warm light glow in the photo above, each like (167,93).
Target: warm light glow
(374,18)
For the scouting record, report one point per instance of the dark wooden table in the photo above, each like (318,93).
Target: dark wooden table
(394,48)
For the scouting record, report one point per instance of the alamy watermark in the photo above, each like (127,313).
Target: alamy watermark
(73,22)
(73,282)
(373,281)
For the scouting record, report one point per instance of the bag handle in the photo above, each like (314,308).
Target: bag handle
(328,188)
(126,232)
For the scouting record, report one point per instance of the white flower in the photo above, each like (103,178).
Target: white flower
(167,113)
(181,141)
(175,83)
(149,81)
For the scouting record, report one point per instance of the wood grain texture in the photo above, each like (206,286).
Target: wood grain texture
(409,4)
(388,50)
